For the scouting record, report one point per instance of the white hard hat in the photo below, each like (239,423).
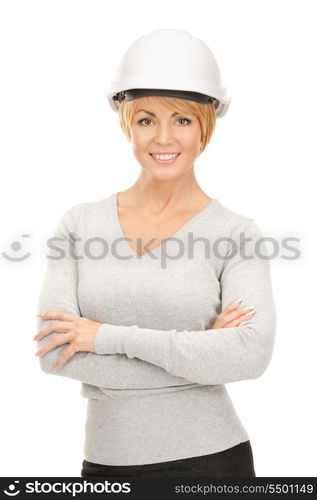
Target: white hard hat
(169,62)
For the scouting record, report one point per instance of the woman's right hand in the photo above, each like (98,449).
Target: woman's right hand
(233,315)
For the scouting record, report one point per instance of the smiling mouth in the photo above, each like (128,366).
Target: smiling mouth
(166,160)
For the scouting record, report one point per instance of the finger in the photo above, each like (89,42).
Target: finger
(64,357)
(55,342)
(53,326)
(233,305)
(242,319)
(237,313)
(224,316)
(63,315)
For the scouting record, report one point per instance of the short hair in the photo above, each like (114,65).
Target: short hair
(205,114)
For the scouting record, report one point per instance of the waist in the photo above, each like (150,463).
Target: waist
(171,425)
(93,392)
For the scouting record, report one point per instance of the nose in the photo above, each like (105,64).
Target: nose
(164,134)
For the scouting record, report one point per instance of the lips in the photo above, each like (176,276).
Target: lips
(168,161)
(152,154)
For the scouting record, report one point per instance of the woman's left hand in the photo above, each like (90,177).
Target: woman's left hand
(80,333)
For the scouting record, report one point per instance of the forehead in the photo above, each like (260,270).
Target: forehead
(150,100)
(153,105)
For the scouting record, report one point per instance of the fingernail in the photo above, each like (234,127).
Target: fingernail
(237,301)
(249,308)
(243,323)
(250,314)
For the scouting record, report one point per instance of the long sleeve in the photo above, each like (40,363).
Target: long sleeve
(214,356)
(59,292)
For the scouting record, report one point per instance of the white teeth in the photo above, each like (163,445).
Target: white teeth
(165,157)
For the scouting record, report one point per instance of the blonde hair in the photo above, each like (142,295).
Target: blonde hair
(205,114)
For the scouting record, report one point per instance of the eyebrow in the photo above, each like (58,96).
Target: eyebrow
(152,114)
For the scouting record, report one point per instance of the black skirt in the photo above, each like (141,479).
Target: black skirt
(233,462)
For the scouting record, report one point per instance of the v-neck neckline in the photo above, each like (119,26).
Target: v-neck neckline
(212,204)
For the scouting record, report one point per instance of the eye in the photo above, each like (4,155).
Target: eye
(140,122)
(143,119)
(186,119)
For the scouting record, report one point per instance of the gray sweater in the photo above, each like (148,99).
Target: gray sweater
(155,386)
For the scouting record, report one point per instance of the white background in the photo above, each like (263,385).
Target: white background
(61,144)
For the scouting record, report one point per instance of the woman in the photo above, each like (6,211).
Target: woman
(153,320)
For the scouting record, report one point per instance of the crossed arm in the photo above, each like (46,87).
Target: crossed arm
(130,357)
(59,292)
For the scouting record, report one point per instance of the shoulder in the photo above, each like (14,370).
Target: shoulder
(229,221)
(239,238)
(232,229)
(86,211)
